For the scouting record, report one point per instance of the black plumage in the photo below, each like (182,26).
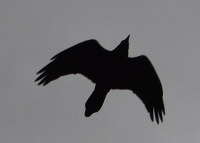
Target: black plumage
(108,70)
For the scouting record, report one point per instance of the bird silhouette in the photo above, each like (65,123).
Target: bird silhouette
(108,70)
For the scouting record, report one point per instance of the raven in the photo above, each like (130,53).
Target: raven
(108,70)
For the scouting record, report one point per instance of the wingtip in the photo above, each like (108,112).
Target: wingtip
(53,57)
(40,71)
(157,114)
(163,110)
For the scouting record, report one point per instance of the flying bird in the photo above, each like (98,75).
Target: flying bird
(108,70)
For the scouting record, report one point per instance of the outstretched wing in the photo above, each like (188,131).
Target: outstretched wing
(147,86)
(86,58)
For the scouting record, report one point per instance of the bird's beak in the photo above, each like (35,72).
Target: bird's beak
(127,38)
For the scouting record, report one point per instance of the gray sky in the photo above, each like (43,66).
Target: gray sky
(31,32)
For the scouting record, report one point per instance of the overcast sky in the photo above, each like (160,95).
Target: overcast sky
(31,32)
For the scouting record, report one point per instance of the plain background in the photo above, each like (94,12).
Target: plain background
(31,32)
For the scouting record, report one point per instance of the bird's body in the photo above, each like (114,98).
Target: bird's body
(108,70)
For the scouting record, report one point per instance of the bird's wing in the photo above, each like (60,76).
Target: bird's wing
(86,58)
(147,86)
